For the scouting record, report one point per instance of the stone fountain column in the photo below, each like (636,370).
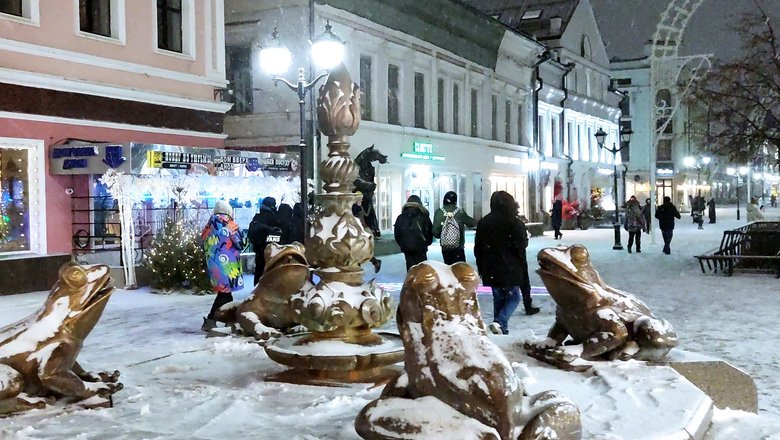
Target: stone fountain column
(337,306)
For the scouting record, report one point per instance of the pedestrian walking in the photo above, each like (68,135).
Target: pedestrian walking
(499,248)
(222,242)
(646,212)
(556,217)
(284,215)
(413,230)
(697,210)
(635,224)
(773,200)
(666,213)
(297,227)
(449,226)
(264,229)
(711,210)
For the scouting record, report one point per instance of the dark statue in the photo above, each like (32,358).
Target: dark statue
(366,185)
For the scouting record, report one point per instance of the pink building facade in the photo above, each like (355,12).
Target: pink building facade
(101,71)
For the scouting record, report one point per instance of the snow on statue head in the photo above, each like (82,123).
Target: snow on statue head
(457,383)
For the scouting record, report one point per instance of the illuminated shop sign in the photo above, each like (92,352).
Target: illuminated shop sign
(422,151)
(86,159)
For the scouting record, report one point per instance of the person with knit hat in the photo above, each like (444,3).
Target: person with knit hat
(453,221)
(413,231)
(222,242)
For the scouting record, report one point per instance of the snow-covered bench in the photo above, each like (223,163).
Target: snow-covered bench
(753,247)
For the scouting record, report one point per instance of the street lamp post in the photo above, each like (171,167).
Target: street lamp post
(327,51)
(703,162)
(731,171)
(625,138)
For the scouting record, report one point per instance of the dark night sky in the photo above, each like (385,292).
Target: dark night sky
(626,25)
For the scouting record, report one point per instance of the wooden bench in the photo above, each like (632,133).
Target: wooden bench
(753,247)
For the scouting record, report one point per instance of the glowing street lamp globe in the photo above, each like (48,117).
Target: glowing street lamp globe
(275,58)
(327,50)
(689,161)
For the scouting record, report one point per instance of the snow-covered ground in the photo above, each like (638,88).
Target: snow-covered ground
(180,385)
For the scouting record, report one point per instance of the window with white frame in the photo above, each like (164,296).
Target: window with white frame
(519,124)
(366,84)
(494,117)
(440,105)
(507,121)
(456,108)
(474,112)
(419,100)
(555,131)
(175,26)
(574,142)
(393,116)
(22,204)
(583,144)
(27,11)
(95,17)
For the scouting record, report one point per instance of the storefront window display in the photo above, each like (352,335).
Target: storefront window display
(18,201)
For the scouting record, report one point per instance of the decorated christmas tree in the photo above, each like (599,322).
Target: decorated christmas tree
(176,258)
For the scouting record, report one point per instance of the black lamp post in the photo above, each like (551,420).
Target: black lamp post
(625,139)
(327,51)
(736,172)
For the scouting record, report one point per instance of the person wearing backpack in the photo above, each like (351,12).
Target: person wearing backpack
(264,229)
(413,231)
(449,225)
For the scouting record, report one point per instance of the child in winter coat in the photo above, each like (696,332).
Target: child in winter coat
(222,241)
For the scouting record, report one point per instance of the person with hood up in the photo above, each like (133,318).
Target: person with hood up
(284,215)
(452,251)
(635,224)
(222,242)
(646,212)
(499,248)
(264,229)
(413,231)
(711,210)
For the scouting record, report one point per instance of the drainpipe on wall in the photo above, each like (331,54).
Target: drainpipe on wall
(569,67)
(538,84)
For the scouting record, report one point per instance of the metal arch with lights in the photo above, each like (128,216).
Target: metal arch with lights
(625,139)
(327,51)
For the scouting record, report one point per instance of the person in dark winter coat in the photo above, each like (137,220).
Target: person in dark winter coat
(499,248)
(450,208)
(556,217)
(263,229)
(284,215)
(666,213)
(711,210)
(297,226)
(697,210)
(646,212)
(222,242)
(413,231)
(635,224)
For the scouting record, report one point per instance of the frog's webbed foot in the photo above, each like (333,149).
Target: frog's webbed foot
(23,402)
(100,376)
(654,332)
(552,416)
(613,335)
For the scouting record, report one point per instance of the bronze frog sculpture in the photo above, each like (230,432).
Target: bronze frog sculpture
(267,311)
(455,379)
(38,354)
(607,322)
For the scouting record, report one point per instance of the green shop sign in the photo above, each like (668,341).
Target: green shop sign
(422,151)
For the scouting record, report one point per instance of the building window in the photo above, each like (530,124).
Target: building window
(494,117)
(583,145)
(239,74)
(556,136)
(593,146)
(12,7)
(507,123)
(419,100)
(456,108)
(664,150)
(519,125)
(392,95)
(95,17)
(21,205)
(440,105)
(474,112)
(169,25)
(365,88)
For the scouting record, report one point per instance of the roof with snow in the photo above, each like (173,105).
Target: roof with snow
(543,19)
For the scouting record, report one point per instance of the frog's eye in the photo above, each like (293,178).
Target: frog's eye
(579,254)
(74,277)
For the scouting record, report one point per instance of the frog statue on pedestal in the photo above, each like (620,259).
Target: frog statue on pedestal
(38,354)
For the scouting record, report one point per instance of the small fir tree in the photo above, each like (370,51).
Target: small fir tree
(176,258)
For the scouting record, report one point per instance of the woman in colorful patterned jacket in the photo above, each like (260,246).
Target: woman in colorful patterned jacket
(222,242)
